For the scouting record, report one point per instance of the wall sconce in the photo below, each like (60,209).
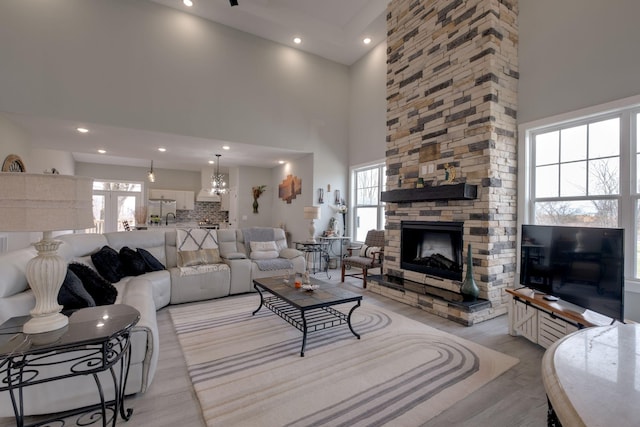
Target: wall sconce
(337,194)
(320,196)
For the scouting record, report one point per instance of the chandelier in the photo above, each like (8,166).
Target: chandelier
(218,184)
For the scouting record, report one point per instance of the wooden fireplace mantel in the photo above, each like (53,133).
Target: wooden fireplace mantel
(441,192)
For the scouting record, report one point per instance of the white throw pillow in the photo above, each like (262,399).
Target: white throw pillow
(263,246)
(264,254)
(290,253)
(368,251)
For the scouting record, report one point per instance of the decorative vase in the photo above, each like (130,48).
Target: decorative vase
(469,289)
(255,206)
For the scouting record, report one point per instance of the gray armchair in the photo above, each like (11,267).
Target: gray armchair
(370,255)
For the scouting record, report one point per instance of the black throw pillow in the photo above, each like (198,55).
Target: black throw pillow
(72,294)
(132,262)
(152,262)
(103,292)
(108,264)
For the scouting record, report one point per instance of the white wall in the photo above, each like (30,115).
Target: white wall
(368,107)
(14,140)
(575,54)
(166,179)
(249,177)
(44,160)
(141,65)
(291,214)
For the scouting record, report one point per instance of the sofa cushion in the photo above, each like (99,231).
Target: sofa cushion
(101,291)
(132,262)
(108,264)
(192,239)
(12,267)
(290,253)
(151,262)
(263,250)
(72,293)
(264,255)
(198,257)
(235,255)
(263,246)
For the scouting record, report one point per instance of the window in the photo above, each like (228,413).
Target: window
(582,169)
(113,203)
(368,210)
(577,174)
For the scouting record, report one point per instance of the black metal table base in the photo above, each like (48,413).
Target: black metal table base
(117,355)
(311,320)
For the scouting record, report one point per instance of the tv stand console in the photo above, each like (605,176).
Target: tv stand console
(544,322)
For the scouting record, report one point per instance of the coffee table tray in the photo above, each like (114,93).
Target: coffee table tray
(314,320)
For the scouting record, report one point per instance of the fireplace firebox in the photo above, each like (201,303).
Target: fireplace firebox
(432,248)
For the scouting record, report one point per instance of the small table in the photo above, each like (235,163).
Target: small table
(318,252)
(95,340)
(307,311)
(591,377)
(332,239)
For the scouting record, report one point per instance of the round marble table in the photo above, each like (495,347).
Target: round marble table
(592,377)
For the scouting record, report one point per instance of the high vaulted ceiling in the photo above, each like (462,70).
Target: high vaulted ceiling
(333,29)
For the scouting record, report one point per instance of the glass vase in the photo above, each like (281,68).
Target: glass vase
(469,289)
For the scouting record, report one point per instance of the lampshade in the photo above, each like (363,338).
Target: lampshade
(38,202)
(311,212)
(33,202)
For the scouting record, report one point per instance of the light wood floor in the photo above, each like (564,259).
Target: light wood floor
(514,399)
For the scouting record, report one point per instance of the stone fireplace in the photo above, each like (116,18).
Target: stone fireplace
(452,75)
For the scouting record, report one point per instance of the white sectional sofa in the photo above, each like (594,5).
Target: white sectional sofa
(147,293)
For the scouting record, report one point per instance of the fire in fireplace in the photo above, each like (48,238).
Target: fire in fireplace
(432,248)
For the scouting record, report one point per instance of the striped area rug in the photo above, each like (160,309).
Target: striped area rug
(247,370)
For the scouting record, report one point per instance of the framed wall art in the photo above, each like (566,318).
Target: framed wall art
(290,187)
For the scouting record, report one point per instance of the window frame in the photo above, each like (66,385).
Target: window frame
(628,197)
(354,206)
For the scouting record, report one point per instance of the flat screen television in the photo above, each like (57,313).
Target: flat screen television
(581,265)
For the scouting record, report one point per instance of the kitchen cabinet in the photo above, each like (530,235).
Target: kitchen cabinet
(185,200)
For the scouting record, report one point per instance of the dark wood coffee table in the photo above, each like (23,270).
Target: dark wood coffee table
(308,311)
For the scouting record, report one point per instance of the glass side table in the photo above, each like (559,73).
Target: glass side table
(97,339)
(315,254)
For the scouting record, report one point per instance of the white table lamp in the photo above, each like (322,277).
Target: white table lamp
(35,202)
(312,213)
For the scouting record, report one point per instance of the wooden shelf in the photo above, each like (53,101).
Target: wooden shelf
(560,308)
(441,192)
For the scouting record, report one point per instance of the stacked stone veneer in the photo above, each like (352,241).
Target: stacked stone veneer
(452,78)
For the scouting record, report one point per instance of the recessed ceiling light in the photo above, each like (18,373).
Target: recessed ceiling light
(101,151)
(297,40)
(82,130)
(226,147)
(188,3)
(211,162)
(281,162)
(366,40)
(162,149)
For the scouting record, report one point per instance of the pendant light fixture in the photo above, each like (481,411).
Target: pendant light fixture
(150,175)
(218,184)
